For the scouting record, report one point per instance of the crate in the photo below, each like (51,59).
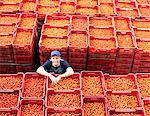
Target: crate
(19,75)
(64,85)
(7,68)
(125,65)
(78,66)
(106,32)
(53,2)
(101,56)
(102,66)
(107,9)
(126,93)
(142,52)
(93,50)
(107,65)
(67,8)
(105,70)
(127,48)
(87,3)
(79,23)
(58,20)
(101,21)
(79,70)
(125,4)
(143,10)
(33,75)
(137,112)
(92,74)
(142,86)
(9,7)
(7,29)
(78,49)
(24,6)
(46,10)
(142,63)
(87,11)
(65,30)
(69,1)
(34,20)
(121,71)
(127,12)
(6,59)
(9,112)
(120,83)
(23,59)
(77,55)
(140,23)
(142,2)
(52,111)
(24,49)
(74,92)
(123,60)
(31,102)
(146,104)
(9,18)
(25,68)
(144,70)
(6,48)
(14,105)
(127,53)
(105,62)
(140,58)
(95,100)
(77,60)
(118,23)
(50,48)
(142,34)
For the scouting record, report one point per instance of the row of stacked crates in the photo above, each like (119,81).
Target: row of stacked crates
(81,94)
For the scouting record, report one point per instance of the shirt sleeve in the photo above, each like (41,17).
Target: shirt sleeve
(47,65)
(65,65)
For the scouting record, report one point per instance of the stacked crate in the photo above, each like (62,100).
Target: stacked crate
(123,88)
(9,6)
(78,39)
(44,7)
(8,24)
(28,6)
(33,93)
(24,41)
(94,101)
(107,8)
(102,44)
(127,9)
(142,55)
(68,87)
(88,7)
(126,45)
(54,37)
(85,93)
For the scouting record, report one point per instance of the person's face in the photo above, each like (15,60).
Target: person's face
(55,61)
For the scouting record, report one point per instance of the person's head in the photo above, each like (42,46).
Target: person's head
(55,58)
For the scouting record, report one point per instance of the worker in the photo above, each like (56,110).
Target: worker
(57,65)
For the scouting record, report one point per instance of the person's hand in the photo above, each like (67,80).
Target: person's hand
(53,79)
(59,78)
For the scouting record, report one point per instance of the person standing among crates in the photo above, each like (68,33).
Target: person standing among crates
(56,65)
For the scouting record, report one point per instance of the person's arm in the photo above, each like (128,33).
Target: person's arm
(69,71)
(42,71)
